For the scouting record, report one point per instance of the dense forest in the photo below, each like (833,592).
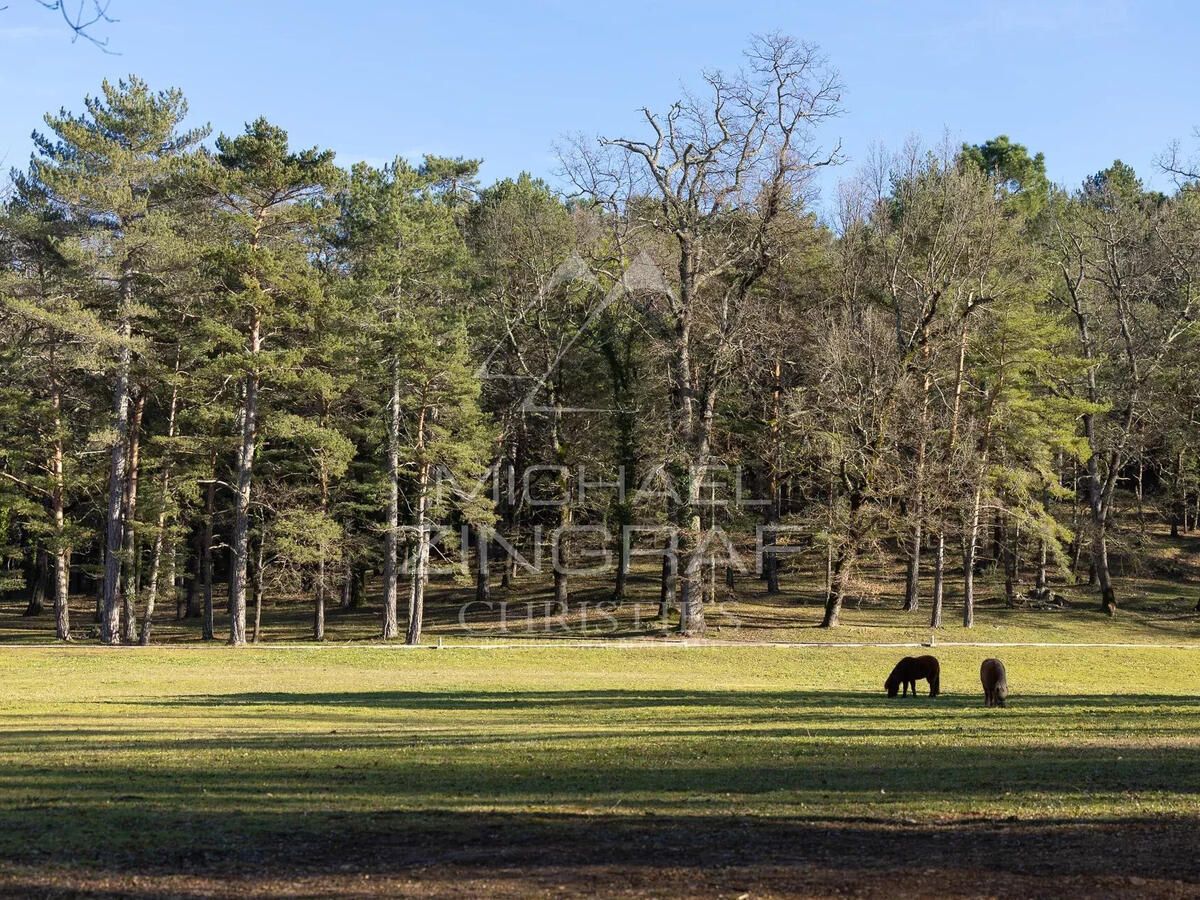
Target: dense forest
(232,368)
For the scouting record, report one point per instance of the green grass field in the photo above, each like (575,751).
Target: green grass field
(552,753)
(659,771)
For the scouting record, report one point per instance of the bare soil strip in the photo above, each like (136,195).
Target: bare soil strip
(449,856)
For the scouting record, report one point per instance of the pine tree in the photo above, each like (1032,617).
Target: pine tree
(449,440)
(406,259)
(49,341)
(1018,421)
(269,293)
(115,170)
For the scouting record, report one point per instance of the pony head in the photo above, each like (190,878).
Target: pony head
(892,685)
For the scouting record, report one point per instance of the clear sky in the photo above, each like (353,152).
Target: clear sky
(1083,81)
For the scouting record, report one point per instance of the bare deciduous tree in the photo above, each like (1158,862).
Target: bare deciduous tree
(718,174)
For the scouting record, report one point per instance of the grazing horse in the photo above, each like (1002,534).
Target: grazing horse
(911,669)
(995,682)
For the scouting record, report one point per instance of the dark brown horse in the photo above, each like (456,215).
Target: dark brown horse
(995,682)
(910,670)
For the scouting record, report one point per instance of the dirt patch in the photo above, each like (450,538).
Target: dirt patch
(503,856)
(459,883)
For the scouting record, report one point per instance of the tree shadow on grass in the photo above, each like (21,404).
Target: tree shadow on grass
(404,789)
(810,701)
(395,842)
(784,748)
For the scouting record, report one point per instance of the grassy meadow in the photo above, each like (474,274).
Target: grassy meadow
(649,771)
(542,752)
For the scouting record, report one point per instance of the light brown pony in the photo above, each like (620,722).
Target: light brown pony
(995,682)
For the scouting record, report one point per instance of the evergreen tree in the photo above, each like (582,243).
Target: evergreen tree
(49,341)
(269,295)
(405,260)
(115,171)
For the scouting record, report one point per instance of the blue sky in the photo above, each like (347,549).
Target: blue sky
(1084,82)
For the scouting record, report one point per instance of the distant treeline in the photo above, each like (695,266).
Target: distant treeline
(234,359)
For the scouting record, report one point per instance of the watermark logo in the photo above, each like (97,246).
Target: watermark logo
(596,550)
(594,619)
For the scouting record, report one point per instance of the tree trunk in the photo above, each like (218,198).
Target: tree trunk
(257,588)
(774,463)
(129,547)
(622,577)
(241,518)
(161,526)
(483,580)
(207,631)
(110,622)
(561,594)
(416,588)
(152,589)
(912,581)
(1140,493)
(843,564)
(624,510)
(691,598)
(696,427)
(837,591)
(1179,497)
(622,376)
(40,584)
(666,592)
(391,621)
(971,532)
(191,601)
(939,580)
(173,577)
(62,609)
(1096,488)
(829,562)
(62,566)
(510,570)
(1108,598)
(562,556)
(912,584)
(319,588)
(319,604)
(997,555)
(970,550)
(770,559)
(1099,514)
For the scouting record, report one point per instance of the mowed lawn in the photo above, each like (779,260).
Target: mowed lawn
(663,771)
